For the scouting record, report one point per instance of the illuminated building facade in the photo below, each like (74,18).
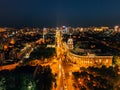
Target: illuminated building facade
(64,30)
(117,29)
(70,43)
(91,60)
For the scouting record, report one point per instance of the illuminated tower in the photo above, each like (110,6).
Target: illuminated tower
(58,42)
(44,33)
(70,43)
(43,38)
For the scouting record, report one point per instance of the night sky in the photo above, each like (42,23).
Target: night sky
(52,13)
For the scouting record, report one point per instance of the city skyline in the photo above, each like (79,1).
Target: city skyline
(51,13)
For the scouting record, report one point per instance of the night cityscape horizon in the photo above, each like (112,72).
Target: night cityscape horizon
(54,26)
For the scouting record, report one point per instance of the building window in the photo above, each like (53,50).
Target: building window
(106,60)
(100,60)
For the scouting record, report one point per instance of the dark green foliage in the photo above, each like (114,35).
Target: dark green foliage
(22,79)
(44,78)
(42,52)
